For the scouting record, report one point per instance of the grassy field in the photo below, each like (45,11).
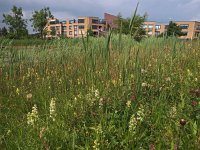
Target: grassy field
(100,93)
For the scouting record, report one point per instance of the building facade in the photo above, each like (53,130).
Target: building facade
(111,20)
(74,28)
(191,29)
(153,28)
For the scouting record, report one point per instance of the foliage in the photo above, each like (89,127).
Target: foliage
(174,30)
(90,32)
(3,32)
(108,94)
(137,29)
(40,18)
(132,26)
(17,25)
(53,31)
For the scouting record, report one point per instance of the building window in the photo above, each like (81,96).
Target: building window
(64,28)
(95,33)
(95,21)
(70,32)
(197,34)
(81,27)
(198,27)
(57,28)
(184,33)
(70,27)
(144,26)
(184,26)
(54,22)
(150,26)
(75,27)
(63,22)
(72,21)
(75,33)
(80,32)
(158,27)
(52,28)
(157,33)
(81,20)
(94,27)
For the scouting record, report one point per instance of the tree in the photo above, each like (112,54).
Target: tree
(90,32)
(40,19)
(53,32)
(137,31)
(4,31)
(174,30)
(17,25)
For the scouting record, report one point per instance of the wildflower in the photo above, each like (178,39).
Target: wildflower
(96,93)
(168,79)
(52,109)
(78,80)
(144,84)
(17,91)
(8,132)
(194,103)
(132,124)
(29,96)
(75,99)
(135,119)
(33,116)
(140,113)
(173,112)
(114,82)
(143,71)
(152,147)
(99,132)
(149,65)
(128,103)
(96,144)
(93,96)
(133,98)
(182,122)
(132,76)
(196,92)
(100,102)
(99,129)
(189,73)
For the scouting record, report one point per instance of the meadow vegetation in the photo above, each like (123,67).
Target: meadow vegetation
(100,93)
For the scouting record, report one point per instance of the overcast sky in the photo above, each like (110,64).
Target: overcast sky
(157,10)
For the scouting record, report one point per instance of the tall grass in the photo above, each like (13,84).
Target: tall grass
(103,93)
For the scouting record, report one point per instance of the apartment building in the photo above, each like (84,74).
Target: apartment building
(74,28)
(191,29)
(153,28)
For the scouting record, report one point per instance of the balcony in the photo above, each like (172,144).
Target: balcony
(198,27)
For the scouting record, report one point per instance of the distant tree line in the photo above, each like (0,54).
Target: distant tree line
(17,26)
